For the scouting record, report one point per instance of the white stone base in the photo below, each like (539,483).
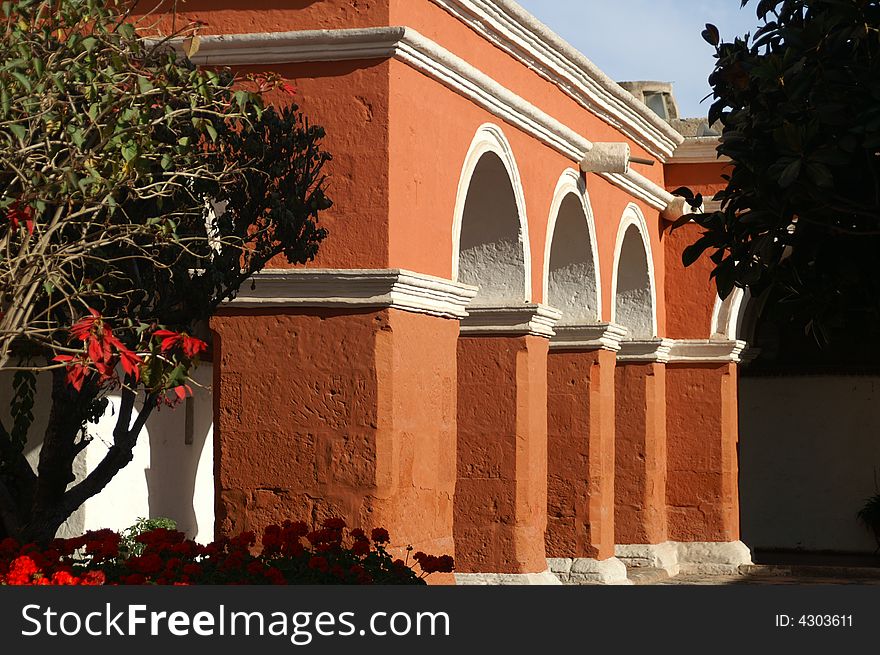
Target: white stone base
(713,558)
(544,578)
(657,556)
(707,558)
(583,570)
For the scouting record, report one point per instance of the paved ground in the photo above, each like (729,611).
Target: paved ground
(766,575)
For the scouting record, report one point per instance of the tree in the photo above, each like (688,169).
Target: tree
(137,193)
(799,103)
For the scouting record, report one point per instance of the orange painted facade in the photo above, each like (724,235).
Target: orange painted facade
(490,446)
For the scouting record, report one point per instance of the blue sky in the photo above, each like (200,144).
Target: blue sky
(649,39)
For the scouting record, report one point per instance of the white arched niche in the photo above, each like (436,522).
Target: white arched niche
(571,264)
(490,229)
(633,287)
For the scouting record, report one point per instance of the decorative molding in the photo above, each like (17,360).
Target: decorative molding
(640,187)
(356,289)
(645,351)
(698,150)
(706,350)
(247,49)
(433,60)
(511,320)
(512,29)
(602,336)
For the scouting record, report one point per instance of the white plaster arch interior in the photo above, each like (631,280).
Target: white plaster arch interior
(728,315)
(737,316)
(571,275)
(490,233)
(634,288)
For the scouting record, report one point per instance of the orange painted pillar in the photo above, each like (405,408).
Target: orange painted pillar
(640,453)
(345,410)
(501,490)
(701,423)
(580,443)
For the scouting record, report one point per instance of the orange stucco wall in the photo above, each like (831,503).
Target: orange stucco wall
(701,424)
(350,101)
(580,445)
(323,413)
(501,494)
(640,455)
(237,16)
(690,292)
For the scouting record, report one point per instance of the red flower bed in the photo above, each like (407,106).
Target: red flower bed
(290,554)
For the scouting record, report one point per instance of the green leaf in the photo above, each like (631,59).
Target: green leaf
(25,82)
(18,130)
(144,84)
(790,174)
(694,251)
(129,151)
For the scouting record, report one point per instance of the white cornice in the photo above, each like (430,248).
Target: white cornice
(698,150)
(298,46)
(706,351)
(510,320)
(355,288)
(431,59)
(638,186)
(602,336)
(642,351)
(509,27)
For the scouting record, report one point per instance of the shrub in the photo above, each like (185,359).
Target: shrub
(290,554)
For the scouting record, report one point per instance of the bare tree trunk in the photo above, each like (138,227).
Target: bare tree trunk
(34,509)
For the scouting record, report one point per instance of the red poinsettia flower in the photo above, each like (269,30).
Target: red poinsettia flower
(191,346)
(18,214)
(103,350)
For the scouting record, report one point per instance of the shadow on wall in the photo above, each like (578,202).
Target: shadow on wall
(168,476)
(808,448)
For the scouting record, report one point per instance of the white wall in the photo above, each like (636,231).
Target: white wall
(808,449)
(166,478)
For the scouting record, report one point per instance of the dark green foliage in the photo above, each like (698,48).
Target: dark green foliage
(799,102)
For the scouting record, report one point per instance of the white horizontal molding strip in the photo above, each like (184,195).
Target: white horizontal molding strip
(649,350)
(509,27)
(356,289)
(298,46)
(510,320)
(640,187)
(412,48)
(601,336)
(706,350)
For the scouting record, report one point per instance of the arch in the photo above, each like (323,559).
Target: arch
(736,316)
(490,233)
(571,262)
(634,291)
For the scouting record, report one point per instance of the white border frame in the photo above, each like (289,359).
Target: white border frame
(632,215)
(490,138)
(572,183)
